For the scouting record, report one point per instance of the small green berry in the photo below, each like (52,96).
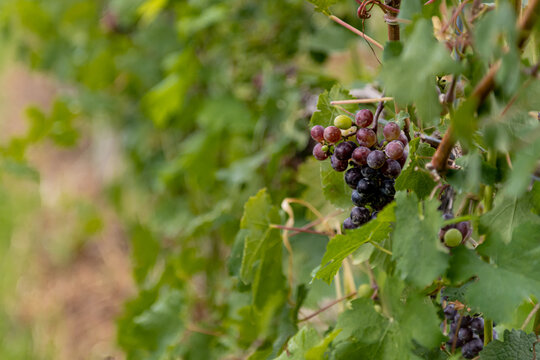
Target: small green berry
(378,308)
(452,237)
(364,290)
(343,122)
(324,148)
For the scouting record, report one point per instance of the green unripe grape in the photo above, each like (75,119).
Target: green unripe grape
(324,148)
(452,238)
(343,122)
(364,290)
(378,308)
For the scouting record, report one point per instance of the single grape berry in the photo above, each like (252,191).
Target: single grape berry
(348,224)
(452,238)
(353,144)
(318,152)
(364,290)
(365,186)
(376,159)
(337,164)
(391,168)
(451,336)
(369,173)
(403,158)
(374,215)
(353,176)
(364,118)
(343,151)
(366,137)
(391,131)
(360,155)
(403,139)
(332,134)
(472,348)
(465,334)
(343,122)
(394,149)
(360,215)
(465,228)
(317,133)
(450,311)
(387,188)
(477,324)
(358,199)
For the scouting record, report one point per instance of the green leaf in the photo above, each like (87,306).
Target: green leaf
(411,77)
(334,187)
(317,352)
(144,253)
(524,164)
(516,345)
(419,254)
(511,277)
(326,112)
(341,246)
(304,340)
(414,176)
(323,5)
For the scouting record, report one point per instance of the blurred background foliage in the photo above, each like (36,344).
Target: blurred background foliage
(156,120)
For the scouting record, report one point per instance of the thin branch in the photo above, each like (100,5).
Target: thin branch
(378,113)
(356,31)
(530,316)
(324,308)
(298,230)
(317,222)
(361,101)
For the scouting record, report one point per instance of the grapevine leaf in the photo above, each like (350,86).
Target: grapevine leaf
(334,187)
(323,5)
(512,275)
(297,347)
(145,250)
(414,176)
(516,345)
(326,112)
(317,352)
(419,255)
(508,213)
(411,77)
(524,164)
(361,322)
(341,246)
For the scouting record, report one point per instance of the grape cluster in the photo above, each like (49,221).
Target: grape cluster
(370,166)
(454,234)
(469,336)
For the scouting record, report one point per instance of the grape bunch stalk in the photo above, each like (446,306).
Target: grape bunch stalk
(371,166)
(466,332)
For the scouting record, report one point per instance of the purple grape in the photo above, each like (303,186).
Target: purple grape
(465,334)
(365,186)
(464,228)
(403,158)
(364,118)
(450,311)
(391,131)
(360,215)
(477,324)
(348,224)
(376,159)
(360,155)
(358,199)
(394,149)
(317,133)
(332,134)
(343,151)
(387,188)
(338,165)
(472,348)
(374,215)
(403,139)
(366,137)
(318,153)
(353,176)
(391,168)
(353,144)
(369,173)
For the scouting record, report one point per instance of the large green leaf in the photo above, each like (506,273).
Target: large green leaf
(516,345)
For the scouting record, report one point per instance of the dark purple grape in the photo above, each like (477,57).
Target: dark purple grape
(394,149)
(464,228)
(369,173)
(477,324)
(391,131)
(376,159)
(353,176)
(465,320)
(403,139)
(317,133)
(366,137)
(465,334)
(472,348)
(348,224)
(451,336)
(360,215)
(318,153)
(364,118)
(387,188)
(332,134)
(358,199)
(365,186)
(391,168)
(353,144)
(360,155)
(374,215)
(379,202)
(343,151)
(450,311)
(338,165)
(403,158)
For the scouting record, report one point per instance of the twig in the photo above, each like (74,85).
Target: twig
(356,31)
(530,316)
(361,101)
(378,113)
(343,109)
(317,222)
(372,281)
(324,308)
(298,230)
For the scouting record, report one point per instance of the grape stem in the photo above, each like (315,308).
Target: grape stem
(326,307)
(298,230)
(356,31)
(379,247)
(378,113)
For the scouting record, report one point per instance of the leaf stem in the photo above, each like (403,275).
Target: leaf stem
(488,331)
(377,246)
(355,30)
(324,308)
(298,230)
(530,316)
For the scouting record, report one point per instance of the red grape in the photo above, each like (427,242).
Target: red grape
(403,139)
(318,153)
(391,131)
(391,168)
(360,155)
(366,137)
(344,150)
(376,159)
(394,149)
(332,134)
(403,158)
(339,165)
(317,133)
(364,118)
